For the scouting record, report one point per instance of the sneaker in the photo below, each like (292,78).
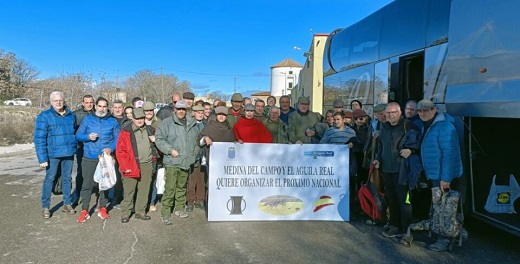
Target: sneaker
(167,220)
(181,214)
(68,210)
(407,240)
(391,232)
(103,213)
(189,208)
(153,208)
(83,216)
(117,206)
(46,213)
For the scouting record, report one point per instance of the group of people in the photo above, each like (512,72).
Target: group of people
(179,136)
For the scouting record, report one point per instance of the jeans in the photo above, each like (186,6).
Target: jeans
(66,177)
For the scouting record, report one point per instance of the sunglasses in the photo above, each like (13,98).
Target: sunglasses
(360,118)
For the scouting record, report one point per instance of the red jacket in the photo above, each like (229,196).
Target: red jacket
(251,131)
(126,152)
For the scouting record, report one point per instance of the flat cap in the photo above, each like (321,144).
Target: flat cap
(198,108)
(188,95)
(138,113)
(221,110)
(338,103)
(249,107)
(148,105)
(425,104)
(304,100)
(380,107)
(180,104)
(237,97)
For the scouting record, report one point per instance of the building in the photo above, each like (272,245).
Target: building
(311,76)
(284,77)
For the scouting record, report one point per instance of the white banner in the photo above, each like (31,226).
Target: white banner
(278,182)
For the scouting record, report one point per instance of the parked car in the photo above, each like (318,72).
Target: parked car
(18,101)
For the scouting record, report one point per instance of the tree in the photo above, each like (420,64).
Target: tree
(155,88)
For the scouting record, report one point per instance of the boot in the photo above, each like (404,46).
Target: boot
(442,244)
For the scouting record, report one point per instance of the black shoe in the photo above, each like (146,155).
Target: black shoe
(142,217)
(189,208)
(125,219)
(392,232)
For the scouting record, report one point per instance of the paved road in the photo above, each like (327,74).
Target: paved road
(27,238)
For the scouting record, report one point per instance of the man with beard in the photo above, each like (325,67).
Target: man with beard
(55,148)
(276,126)
(87,107)
(99,133)
(196,194)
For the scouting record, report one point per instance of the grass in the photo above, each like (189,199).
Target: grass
(17,124)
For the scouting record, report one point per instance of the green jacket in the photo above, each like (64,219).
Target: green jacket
(299,123)
(173,134)
(233,119)
(279,131)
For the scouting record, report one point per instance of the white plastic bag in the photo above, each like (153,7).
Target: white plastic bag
(160,181)
(105,173)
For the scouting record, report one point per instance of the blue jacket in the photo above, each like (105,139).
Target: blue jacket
(107,129)
(54,135)
(440,150)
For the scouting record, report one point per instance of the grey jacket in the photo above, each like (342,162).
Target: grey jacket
(172,134)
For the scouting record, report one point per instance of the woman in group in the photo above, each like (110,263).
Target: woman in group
(250,130)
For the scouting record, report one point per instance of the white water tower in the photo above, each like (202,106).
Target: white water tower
(284,77)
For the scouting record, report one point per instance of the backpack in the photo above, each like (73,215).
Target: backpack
(372,201)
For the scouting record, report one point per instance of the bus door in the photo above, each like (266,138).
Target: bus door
(407,78)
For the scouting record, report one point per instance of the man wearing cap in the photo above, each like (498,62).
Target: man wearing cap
(189,98)
(285,108)
(338,105)
(175,137)
(250,130)
(136,155)
(301,122)
(235,111)
(440,153)
(150,118)
(196,185)
(380,118)
(167,110)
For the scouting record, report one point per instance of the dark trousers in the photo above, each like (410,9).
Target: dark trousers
(396,198)
(116,193)
(79,172)
(196,186)
(88,169)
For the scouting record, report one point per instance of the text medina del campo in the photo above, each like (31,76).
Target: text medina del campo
(327,182)
(278,170)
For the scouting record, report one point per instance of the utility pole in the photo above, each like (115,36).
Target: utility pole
(235,85)
(162,87)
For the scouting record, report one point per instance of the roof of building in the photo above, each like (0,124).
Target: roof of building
(287,63)
(261,94)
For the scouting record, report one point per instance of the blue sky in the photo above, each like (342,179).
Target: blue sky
(208,43)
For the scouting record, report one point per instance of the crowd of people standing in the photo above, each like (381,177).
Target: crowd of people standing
(179,137)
